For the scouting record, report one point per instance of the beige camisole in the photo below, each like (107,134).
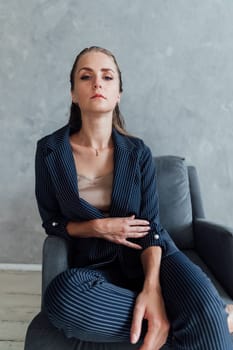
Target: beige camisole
(97,191)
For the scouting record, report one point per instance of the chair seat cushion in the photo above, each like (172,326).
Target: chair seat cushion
(41,335)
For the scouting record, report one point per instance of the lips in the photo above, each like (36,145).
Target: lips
(98,96)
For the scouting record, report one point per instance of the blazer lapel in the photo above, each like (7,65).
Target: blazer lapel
(61,165)
(125,165)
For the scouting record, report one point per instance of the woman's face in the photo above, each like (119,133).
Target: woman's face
(96,83)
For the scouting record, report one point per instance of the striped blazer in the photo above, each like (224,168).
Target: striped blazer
(134,192)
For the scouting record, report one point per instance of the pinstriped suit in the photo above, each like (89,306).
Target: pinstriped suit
(105,271)
(134,192)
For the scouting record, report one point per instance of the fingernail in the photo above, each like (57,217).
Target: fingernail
(134,339)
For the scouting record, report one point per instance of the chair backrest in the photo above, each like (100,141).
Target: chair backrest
(175,201)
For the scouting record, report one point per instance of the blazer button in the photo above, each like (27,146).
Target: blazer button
(156,236)
(54,224)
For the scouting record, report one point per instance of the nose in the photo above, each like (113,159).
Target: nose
(97,83)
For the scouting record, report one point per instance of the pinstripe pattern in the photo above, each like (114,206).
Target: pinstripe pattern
(196,311)
(84,304)
(89,305)
(134,192)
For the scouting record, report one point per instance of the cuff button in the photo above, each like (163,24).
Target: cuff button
(156,236)
(54,224)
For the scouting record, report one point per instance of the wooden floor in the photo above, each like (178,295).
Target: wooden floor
(19,303)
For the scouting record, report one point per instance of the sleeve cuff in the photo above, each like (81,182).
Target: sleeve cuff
(153,238)
(57,227)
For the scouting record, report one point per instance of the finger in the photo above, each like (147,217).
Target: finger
(152,344)
(152,340)
(139,229)
(132,217)
(130,244)
(136,234)
(136,326)
(139,222)
(155,337)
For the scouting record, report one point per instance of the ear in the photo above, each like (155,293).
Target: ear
(119,97)
(73,98)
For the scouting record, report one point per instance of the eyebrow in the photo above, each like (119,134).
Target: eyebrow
(102,69)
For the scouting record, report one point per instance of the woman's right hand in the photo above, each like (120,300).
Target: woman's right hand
(118,230)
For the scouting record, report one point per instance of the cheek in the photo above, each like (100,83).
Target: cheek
(77,95)
(116,94)
(114,98)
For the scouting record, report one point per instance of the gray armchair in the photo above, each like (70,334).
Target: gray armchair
(209,245)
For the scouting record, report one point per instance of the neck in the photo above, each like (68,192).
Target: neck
(96,132)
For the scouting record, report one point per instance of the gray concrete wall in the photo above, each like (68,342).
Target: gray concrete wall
(177,64)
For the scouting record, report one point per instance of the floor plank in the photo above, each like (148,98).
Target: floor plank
(19,303)
(8,345)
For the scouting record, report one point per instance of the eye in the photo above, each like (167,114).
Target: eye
(107,77)
(85,77)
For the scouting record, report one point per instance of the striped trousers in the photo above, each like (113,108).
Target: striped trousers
(88,304)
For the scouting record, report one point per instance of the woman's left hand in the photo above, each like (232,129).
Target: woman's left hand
(150,306)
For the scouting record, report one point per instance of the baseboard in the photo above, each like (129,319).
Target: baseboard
(21,267)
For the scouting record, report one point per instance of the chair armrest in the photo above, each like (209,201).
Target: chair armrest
(214,244)
(55,260)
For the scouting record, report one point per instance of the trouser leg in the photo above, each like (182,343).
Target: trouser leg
(85,305)
(195,310)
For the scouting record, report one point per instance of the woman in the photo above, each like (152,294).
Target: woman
(95,186)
